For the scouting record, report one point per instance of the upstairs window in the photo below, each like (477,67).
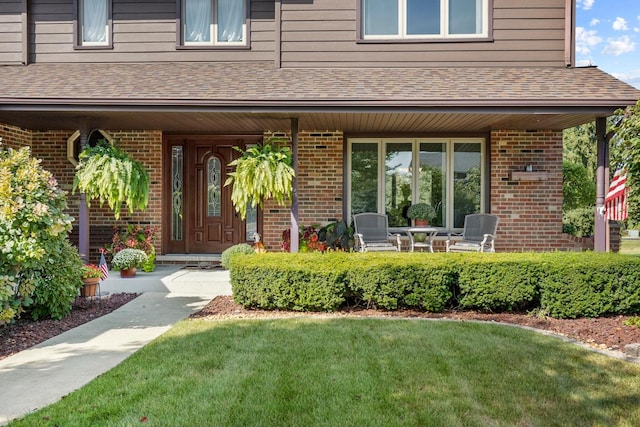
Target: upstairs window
(214,22)
(94,23)
(411,19)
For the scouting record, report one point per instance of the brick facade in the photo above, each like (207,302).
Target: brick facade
(320,186)
(51,148)
(529,206)
(530,210)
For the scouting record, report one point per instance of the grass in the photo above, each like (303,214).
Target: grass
(630,246)
(348,372)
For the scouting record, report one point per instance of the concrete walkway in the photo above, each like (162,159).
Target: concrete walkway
(45,373)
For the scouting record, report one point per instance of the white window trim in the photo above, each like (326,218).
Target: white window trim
(450,151)
(444,25)
(213,28)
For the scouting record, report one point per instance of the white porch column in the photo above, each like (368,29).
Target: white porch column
(294,195)
(602,177)
(83,210)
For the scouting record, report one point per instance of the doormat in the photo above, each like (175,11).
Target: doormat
(210,266)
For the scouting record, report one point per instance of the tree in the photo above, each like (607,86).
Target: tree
(579,146)
(625,153)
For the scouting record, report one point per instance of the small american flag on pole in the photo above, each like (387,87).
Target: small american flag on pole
(615,202)
(103,266)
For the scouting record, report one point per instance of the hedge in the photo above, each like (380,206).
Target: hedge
(561,284)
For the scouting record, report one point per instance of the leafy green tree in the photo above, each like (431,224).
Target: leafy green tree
(580,147)
(578,188)
(625,153)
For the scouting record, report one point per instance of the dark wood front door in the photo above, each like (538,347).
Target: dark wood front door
(208,222)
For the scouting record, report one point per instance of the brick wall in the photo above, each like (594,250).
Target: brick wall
(320,189)
(530,210)
(145,146)
(14,137)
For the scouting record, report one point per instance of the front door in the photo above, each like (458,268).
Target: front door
(200,215)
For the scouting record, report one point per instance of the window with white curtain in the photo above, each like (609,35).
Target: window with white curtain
(407,19)
(93,22)
(388,175)
(214,22)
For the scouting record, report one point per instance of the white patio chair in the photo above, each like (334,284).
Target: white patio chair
(479,234)
(372,233)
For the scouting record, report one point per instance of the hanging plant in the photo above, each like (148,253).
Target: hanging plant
(109,174)
(262,172)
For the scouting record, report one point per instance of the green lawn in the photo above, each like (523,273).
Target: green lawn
(354,372)
(631,247)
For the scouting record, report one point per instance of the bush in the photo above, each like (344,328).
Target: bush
(579,222)
(33,223)
(392,281)
(591,285)
(562,284)
(499,282)
(302,282)
(227,254)
(57,283)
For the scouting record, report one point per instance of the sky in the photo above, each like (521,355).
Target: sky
(608,36)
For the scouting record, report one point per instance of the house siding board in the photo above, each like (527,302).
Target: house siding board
(323,34)
(11,32)
(142,32)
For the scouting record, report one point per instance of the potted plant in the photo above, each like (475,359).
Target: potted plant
(127,260)
(273,163)
(91,275)
(109,174)
(421,214)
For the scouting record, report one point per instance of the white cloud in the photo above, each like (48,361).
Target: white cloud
(631,77)
(620,24)
(594,22)
(586,40)
(586,4)
(619,46)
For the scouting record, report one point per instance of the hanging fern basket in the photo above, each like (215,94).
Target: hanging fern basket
(262,172)
(109,174)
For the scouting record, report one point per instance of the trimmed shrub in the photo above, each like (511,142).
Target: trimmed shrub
(591,285)
(500,282)
(57,283)
(562,284)
(392,281)
(227,254)
(302,282)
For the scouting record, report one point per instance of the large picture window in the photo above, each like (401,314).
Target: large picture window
(406,19)
(214,22)
(388,175)
(93,22)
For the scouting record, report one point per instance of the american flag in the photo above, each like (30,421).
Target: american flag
(103,266)
(615,202)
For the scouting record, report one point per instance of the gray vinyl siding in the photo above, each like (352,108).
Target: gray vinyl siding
(11,32)
(143,31)
(323,34)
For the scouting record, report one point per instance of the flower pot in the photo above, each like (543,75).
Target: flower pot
(128,272)
(421,222)
(90,287)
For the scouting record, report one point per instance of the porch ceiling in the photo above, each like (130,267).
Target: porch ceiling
(255,122)
(253,97)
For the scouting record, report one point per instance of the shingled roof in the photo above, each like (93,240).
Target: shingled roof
(261,84)
(251,97)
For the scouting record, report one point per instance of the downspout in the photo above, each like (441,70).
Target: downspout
(569,33)
(25,32)
(83,209)
(602,175)
(278,35)
(294,195)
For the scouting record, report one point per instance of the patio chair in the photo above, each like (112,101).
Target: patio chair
(372,233)
(479,234)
